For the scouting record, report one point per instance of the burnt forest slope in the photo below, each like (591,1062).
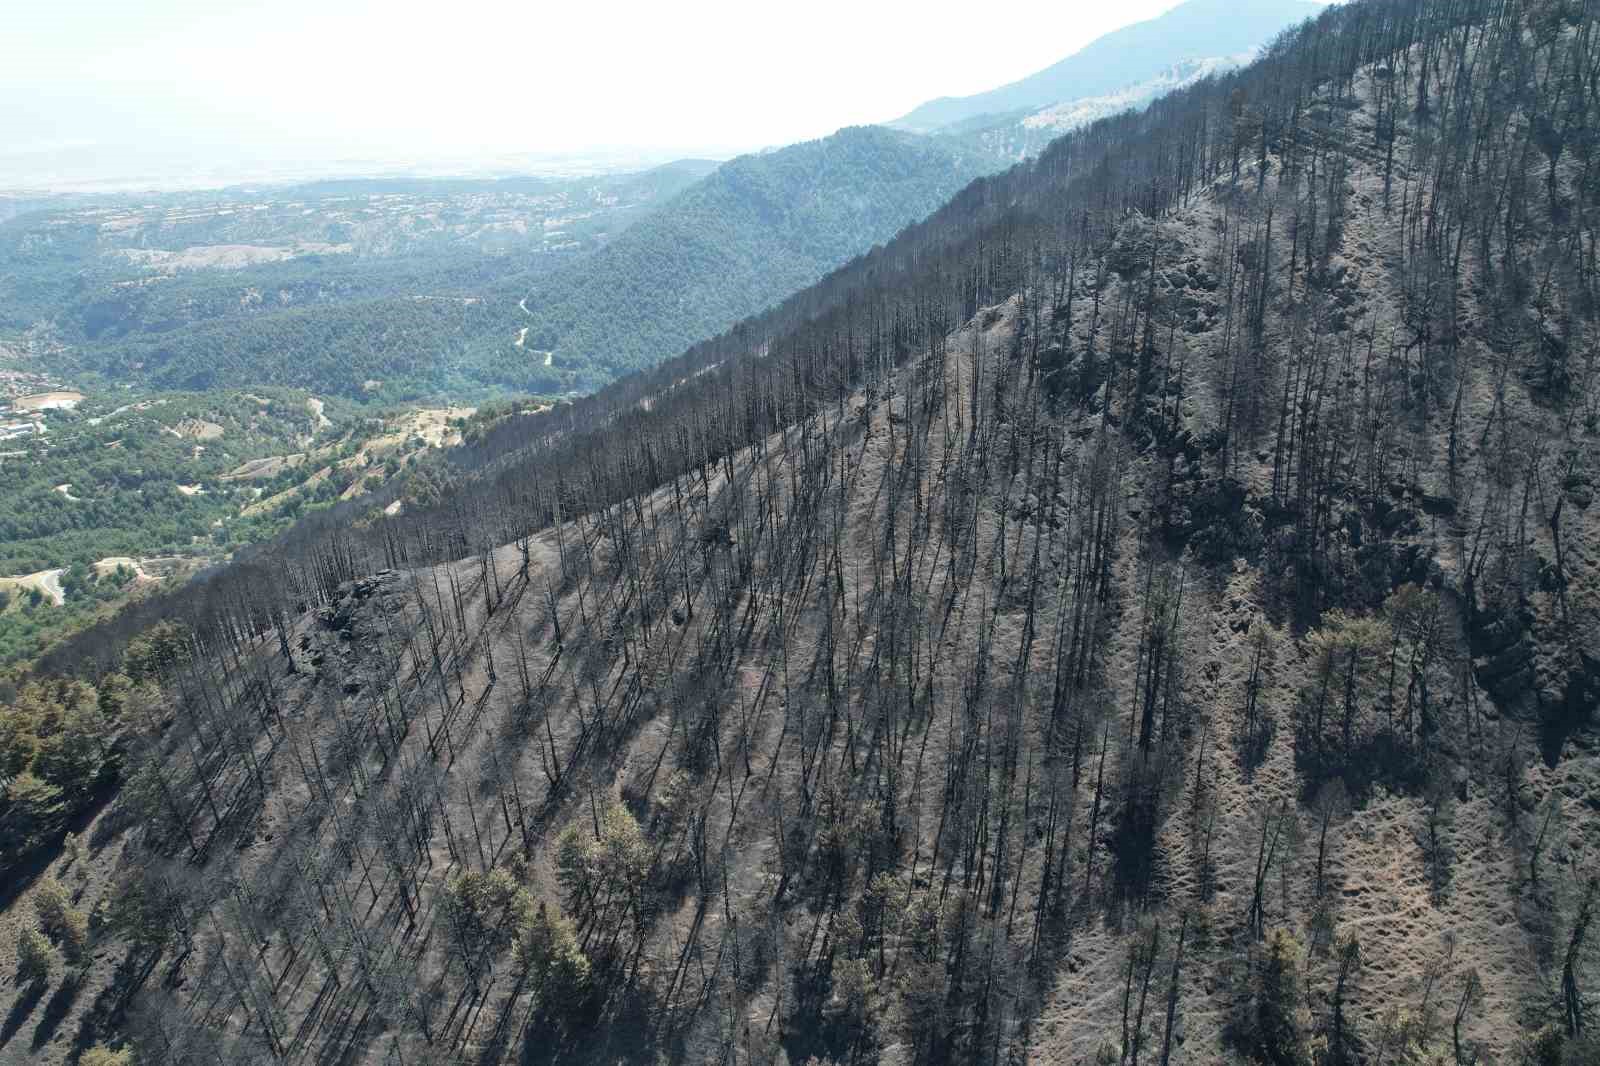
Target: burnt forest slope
(1150,608)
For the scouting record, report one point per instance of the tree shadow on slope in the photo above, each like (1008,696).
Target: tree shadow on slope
(830,1039)
(623,1032)
(16,877)
(1379,758)
(1559,724)
(108,1011)
(19,874)
(1138,867)
(1252,743)
(55,1012)
(20,1010)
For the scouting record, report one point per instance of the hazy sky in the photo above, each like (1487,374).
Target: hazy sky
(471,78)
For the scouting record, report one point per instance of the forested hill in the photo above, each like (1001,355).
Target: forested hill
(1145,612)
(1195,29)
(758,229)
(742,238)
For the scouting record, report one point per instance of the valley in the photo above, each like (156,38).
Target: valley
(140,291)
(393,292)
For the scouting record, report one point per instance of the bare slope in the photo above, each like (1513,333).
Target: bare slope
(885,695)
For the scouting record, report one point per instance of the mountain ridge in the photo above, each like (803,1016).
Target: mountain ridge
(1027,132)
(1195,29)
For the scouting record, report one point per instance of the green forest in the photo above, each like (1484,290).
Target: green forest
(744,238)
(444,321)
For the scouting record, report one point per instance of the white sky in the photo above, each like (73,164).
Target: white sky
(465,78)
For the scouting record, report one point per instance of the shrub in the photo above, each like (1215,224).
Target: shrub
(614,863)
(556,968)
(36,959)
(35,812)
(1269,1025)
(485,910)
(60,920)
(479,897)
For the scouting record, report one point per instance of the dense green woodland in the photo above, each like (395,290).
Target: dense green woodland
(758,229)
(125,471)
(417,347)
(443,321)
(1145,611)
(124,455)
(377,282)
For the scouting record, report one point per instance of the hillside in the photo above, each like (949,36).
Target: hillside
(103,268)
(191,291)
(1146,609)
(758,229)
(474,310)
(1194,30)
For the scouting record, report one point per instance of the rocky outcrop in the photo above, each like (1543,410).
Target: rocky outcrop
(345,628)
(1213,517)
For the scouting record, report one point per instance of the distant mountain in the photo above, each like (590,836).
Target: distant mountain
(103,268)
(1026,133)
(726,246)
(310,282)
(759,228)
(658,181)
(1195,30)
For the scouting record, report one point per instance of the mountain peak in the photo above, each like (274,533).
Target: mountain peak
(1195,29)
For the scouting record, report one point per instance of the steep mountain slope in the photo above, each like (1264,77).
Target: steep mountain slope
(1147,609)
(189,290)
(1194,30)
